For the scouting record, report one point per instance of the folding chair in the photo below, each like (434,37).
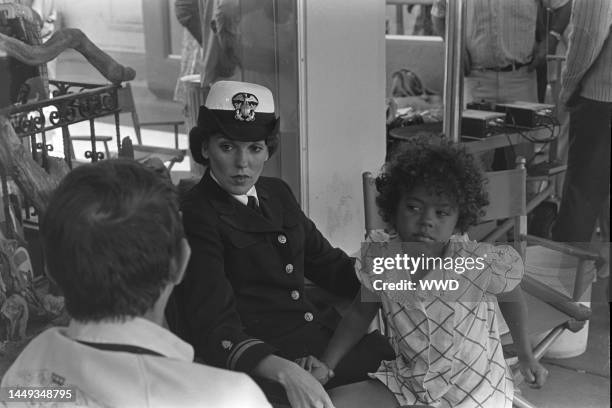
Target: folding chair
(126,104)
(548,308)
(142,153)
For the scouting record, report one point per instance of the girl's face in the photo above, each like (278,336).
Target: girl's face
(236,165)
(423,216)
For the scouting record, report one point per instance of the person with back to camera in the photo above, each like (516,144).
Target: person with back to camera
(447,342)
(114,243)
(243,303)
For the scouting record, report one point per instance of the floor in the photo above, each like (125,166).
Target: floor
(582,381)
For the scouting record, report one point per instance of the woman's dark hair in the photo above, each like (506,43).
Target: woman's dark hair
(109,234)
(443,168)
(199,137)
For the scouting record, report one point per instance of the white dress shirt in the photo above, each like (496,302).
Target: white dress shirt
(120,379)
(499,32)
(589,56)
(243,198)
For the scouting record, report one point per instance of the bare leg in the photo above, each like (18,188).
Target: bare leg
(61,41)
(366,394)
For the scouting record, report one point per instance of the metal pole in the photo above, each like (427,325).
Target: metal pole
(453,68)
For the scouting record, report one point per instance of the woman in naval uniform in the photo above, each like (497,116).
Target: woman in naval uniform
(242,304)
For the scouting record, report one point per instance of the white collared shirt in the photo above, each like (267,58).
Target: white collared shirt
(243,198)
(590,50)
(499,32)
(122,379)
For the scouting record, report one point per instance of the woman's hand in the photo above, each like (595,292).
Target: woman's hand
(316,368)
(303,390)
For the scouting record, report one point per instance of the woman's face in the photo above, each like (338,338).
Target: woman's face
(236,165)
(423,216)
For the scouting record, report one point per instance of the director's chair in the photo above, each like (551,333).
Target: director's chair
(549,310)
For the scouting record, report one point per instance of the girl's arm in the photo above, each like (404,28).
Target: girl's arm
(351,329)
(514,309)
(507,270)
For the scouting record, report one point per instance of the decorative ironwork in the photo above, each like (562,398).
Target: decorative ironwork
(94,156)
(72,102)
(48,147)
(63,110)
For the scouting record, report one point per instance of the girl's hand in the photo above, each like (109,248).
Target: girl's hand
(533,372)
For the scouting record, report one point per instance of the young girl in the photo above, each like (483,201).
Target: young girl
(447,342)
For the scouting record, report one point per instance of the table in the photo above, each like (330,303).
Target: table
(473,145)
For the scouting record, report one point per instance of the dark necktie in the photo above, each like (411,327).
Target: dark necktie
(252,204)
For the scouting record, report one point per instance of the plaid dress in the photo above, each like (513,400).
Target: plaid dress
(448,347)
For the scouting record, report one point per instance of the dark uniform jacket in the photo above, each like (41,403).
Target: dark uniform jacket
(243,294)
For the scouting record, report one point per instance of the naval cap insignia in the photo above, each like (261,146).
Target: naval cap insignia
(245,105)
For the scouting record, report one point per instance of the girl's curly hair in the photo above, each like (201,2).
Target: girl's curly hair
(443,168)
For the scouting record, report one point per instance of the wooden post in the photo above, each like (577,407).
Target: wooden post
(35,183)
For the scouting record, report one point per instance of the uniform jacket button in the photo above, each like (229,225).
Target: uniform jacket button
(295,295)
(289,268)
(308,317)
(282,239)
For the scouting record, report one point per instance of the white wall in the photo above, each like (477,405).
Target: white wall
(344,72)
(113,25)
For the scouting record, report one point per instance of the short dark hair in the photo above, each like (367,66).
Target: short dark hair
(443,168)
(109,234)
